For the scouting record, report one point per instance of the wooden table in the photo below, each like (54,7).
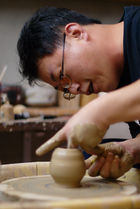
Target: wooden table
(20,138)
(33,124)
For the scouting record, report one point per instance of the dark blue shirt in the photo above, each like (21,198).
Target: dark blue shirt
(131,44)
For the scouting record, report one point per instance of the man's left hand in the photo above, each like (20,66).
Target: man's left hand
(113,160)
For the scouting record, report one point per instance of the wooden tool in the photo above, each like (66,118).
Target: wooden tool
(3,72)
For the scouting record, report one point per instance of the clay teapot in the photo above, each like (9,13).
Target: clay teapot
(67,167)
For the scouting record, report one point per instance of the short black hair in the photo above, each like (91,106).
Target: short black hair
(42,34)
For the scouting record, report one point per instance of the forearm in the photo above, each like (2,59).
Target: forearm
(120,105)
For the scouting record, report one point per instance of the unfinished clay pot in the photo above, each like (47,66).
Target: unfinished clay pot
(67,167)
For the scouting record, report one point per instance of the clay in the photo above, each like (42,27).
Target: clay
(67,167)
(86,136)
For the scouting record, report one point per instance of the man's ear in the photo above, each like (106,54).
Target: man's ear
(75,30)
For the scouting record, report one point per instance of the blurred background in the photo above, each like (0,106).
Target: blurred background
(13,15)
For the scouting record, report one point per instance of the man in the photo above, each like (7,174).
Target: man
(77,54)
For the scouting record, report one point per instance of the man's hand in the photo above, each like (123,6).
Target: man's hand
(113,160)
(85,135)
(84,129)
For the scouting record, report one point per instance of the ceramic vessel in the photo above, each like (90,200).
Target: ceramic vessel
(67,167)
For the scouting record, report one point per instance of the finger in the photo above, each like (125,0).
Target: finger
(115,171)
(105,171)
(95,168)
(127,161)
(90,161)
(113,147)
(98,150)
(55,141)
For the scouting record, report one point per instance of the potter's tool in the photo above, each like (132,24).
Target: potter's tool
(3,72)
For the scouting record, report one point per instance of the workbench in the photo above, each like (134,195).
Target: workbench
(20,138)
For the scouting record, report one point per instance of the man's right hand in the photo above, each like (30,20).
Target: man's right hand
(85,135)
(84,129)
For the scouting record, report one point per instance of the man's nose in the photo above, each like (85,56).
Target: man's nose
(75,88)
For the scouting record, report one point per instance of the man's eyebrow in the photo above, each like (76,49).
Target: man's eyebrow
(52,77)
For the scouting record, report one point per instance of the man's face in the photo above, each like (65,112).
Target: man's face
(89,69)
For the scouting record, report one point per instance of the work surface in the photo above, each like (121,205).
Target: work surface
(44,188)
(33,124)
(95,193)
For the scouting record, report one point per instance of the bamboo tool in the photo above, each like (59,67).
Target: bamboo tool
(3,72)
(1,77)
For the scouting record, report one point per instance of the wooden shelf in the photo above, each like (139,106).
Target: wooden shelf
(56,111)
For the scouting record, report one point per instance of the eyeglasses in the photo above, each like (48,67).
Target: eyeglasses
(65,80)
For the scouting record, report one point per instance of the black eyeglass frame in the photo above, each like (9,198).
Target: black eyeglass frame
(67,94)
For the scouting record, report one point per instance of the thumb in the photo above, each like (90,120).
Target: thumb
(103,149)
(50,144)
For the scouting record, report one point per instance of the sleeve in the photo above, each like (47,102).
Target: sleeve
(134,129)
